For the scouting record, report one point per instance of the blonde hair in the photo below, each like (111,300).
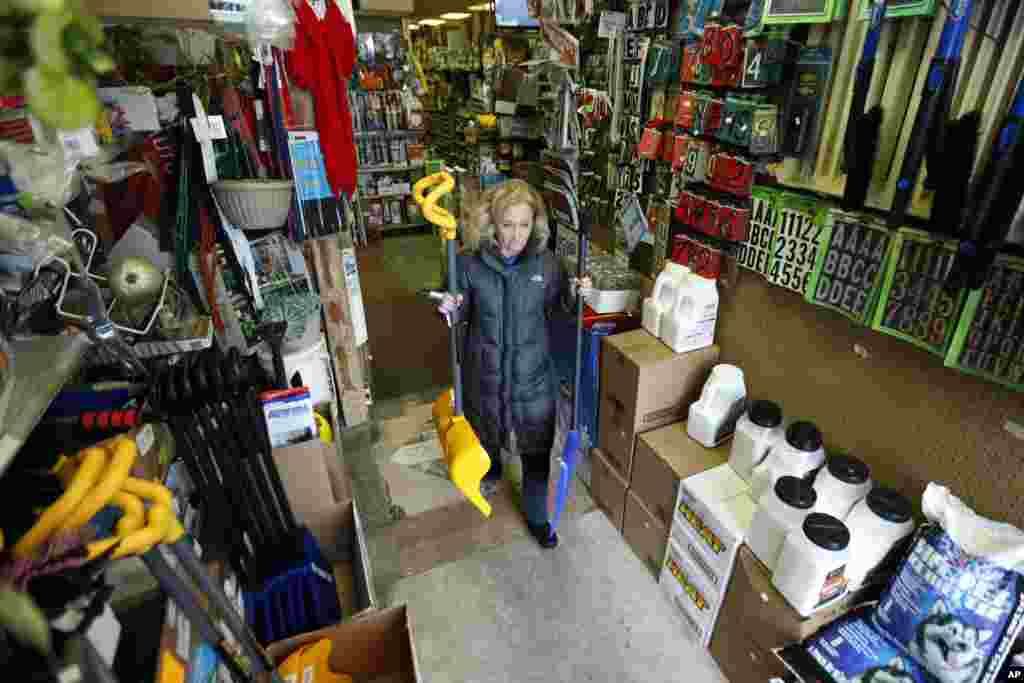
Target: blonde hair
(480,221)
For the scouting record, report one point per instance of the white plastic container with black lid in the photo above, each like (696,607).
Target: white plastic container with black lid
(779,511)
(811,572)
(877,523)
(757,431)
(797,455)
(840,484)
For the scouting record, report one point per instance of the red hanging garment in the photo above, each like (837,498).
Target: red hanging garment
(322,62)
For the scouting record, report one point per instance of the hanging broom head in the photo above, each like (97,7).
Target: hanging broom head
(861,159)
(952,175)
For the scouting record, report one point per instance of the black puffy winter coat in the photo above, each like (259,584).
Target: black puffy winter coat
(509,382)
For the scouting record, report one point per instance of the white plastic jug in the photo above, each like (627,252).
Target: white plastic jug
(666,289)
(690,324)
(796,455)
(713,417)
(757,432)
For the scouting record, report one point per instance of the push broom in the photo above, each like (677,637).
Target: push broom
(466,458)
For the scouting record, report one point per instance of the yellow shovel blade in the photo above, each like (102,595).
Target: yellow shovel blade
(467,460)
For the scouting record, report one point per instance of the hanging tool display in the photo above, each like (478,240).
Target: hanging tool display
(467,460)
(935,102)
(97,477)
(862,128)
(993,204)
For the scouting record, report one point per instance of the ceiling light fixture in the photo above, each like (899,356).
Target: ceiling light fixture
(432,22)
(413,27)
(482,7)
(456,16)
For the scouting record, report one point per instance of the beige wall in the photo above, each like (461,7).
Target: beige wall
(912,420)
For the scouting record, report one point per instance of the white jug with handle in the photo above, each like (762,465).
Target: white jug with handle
(666,289)
(712,419)
(690,325)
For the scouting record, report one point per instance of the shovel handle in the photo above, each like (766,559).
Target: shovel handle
(440,217)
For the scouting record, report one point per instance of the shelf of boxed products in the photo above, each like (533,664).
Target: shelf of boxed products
(391,167)
(386,132)
(36,371)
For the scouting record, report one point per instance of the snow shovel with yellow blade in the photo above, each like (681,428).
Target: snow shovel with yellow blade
(467,460)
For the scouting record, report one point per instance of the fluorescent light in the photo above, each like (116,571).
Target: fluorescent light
(482,7)
(456,16)
(432,22)
(413,27)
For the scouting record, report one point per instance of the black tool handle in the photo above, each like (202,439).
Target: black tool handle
(581,271)
(453,332)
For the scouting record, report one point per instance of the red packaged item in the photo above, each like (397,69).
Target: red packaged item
(686,110)
(650,144)
(668,144)
(726,76)
(708,217)
(713,115)
(731,174)
(711,45)
(733,223)
(686,207)
(730,47)
(702,259)
(678,156)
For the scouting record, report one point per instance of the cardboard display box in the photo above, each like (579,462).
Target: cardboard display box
(645,385)
(712,517)
(375,647)
(664,457)
(608,488)
(644,533)
(696,602)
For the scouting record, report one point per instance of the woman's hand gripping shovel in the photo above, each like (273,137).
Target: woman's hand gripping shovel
(467,460)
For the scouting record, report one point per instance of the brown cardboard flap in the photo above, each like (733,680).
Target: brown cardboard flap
(608,488)
(663,457)
(377,644)
(303,470)
(646,535)
(615,437)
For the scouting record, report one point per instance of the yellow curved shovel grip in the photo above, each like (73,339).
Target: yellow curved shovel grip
(428,203)
(133,513)
(123,457)
(158,523)
(92,463)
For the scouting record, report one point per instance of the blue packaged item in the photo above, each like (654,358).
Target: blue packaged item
(852,650)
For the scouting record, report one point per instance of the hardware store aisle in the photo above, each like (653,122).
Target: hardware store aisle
(586,611)
(488,605)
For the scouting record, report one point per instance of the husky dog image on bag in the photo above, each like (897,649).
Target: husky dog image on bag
(949,649)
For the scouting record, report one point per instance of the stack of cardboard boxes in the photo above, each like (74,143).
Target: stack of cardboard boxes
(644,386)
(684,511)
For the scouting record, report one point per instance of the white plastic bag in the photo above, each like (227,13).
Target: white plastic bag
(270,22)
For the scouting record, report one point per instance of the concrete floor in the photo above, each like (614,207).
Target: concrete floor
(487,603)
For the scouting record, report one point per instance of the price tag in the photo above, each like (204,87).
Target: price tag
(201,128)
(611,24)
(217,129)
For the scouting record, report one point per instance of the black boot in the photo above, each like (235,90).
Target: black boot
(544,535)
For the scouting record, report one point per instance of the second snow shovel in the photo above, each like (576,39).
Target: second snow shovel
(467,460)
(573,440)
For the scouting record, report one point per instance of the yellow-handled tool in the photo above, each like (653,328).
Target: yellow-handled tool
(467,460)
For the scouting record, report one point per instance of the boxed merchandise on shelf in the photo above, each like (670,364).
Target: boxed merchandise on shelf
(644,533)
(645,385)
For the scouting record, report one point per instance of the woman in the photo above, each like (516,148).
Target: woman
(509,282)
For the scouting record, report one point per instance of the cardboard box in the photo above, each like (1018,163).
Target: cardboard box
(377,646)
(754,608)
(319,490)
(664,457)
(712,517)
(644,533)
(607,487)
(741,659)
(645,385)
(696,602)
